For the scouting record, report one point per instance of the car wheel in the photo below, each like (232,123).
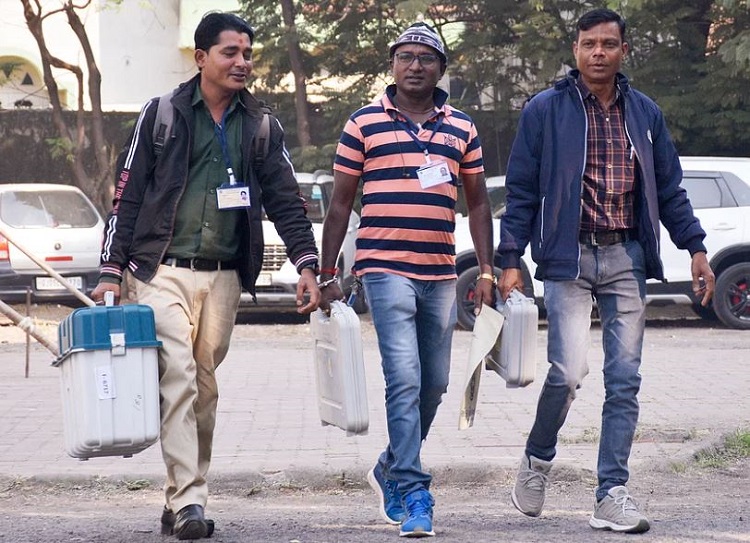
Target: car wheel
(732,297)
(465,286)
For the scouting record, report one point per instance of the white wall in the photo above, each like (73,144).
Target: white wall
(143,49)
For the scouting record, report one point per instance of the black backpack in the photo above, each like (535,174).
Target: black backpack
(163,130)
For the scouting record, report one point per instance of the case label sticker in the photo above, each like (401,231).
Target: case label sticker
(105,383)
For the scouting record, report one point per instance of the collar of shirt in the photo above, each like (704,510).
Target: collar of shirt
(439,97)
(198,99)
(586,93)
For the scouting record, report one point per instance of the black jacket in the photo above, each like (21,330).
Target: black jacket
(140,226)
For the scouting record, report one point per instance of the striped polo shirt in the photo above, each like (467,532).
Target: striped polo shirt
(406,229)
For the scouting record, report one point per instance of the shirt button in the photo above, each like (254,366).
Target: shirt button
(215,159)
(205,224)
(609,142)
(609,166)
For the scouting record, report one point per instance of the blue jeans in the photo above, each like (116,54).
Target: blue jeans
(615,276)
(414,321)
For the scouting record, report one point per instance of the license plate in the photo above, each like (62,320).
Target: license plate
(50,283)
(264,280)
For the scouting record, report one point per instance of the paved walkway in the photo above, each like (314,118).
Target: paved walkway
(694,388)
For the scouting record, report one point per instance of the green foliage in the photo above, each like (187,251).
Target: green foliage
(61,148)
(311,158)
(734,447)
(693,58)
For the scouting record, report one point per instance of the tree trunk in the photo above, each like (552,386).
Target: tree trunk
(300,79)
(76,141)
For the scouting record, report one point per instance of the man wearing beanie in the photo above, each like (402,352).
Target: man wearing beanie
(411,151)
(185,236)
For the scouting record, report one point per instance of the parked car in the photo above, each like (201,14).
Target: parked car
(60,226)
(719,190)
(276,287)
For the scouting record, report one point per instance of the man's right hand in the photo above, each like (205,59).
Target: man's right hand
(98,293)
(331,293)
(509,280)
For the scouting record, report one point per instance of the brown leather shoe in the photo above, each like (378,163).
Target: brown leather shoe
(188,523)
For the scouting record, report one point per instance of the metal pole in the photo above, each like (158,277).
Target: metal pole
(28,336)
(25,323)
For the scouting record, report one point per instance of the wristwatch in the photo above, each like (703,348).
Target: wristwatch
(311,266)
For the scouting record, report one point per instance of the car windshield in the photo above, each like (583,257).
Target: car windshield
(46,209)
(316,199)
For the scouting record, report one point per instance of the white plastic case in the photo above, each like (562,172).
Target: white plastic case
(514,354)
(109,377)
(339,369)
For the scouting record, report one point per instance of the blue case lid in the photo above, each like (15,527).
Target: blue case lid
(90,328)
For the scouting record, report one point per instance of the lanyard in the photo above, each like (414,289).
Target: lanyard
(412,130)
(221,134)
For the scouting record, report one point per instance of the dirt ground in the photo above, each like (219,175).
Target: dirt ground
(697,505)
(692,504)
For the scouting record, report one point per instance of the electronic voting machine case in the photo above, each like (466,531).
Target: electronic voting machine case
(514,354)
(339,369)
(109,377)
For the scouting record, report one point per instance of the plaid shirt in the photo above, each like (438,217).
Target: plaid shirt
(609,178)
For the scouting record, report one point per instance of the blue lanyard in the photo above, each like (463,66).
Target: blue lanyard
(219,130)
(412,130)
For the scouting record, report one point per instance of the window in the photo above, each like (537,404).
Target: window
(55,209)
(704,192)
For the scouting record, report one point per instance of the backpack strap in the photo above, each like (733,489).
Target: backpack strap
(262,139)
(163,130)
(163,123)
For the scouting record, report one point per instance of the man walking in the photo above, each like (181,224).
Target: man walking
(591,173)
(186,225)
(409,148)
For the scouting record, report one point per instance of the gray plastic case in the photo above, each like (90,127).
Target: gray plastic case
(339,369)
(514,354)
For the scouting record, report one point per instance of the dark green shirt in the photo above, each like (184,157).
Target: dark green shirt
(201,230)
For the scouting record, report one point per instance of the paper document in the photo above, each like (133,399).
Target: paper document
(487,328)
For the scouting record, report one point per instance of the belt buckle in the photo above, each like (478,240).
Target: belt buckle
(192,264)
(591,239)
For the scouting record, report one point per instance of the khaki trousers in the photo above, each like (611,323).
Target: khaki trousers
(195,314)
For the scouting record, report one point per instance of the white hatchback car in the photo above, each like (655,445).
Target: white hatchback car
(60,226)
(719,191)
(276,286)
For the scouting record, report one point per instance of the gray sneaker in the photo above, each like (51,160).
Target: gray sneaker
(618,512)
(531,482)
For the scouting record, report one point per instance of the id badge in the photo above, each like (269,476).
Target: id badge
(233,196)
(433,173)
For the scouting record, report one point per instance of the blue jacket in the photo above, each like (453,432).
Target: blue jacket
(544,182)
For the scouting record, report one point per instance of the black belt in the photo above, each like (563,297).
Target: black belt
(606,237)
(200,264)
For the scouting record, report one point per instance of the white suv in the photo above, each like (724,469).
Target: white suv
(276,286)
(719,191)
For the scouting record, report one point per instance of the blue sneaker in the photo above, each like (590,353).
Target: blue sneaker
(418,522)
(391,508)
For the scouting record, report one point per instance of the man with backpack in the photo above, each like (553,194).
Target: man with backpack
(185,236)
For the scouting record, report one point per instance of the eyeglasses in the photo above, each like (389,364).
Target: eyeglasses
(425,59)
